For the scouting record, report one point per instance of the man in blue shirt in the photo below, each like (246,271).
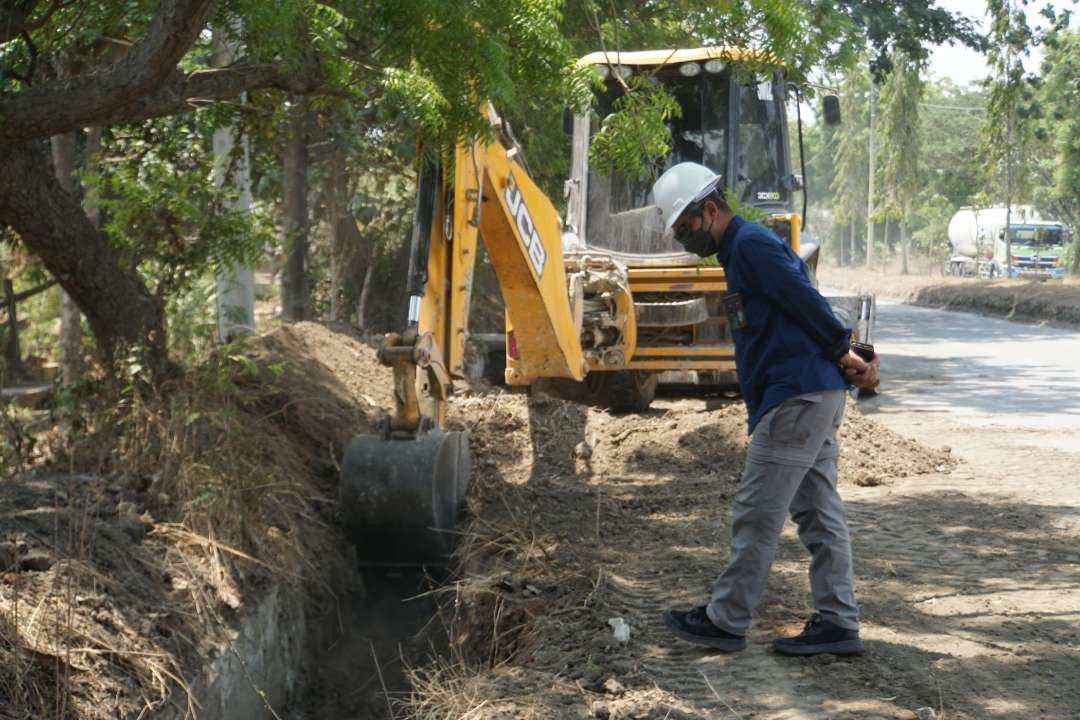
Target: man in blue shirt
(794,361)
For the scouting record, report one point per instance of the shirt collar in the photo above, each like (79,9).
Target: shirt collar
(730,231)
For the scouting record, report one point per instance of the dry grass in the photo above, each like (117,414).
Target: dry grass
(224,478)
(483,614)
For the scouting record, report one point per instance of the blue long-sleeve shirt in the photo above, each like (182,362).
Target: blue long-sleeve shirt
(787,340)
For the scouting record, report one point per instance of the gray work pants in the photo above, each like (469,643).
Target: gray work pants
(790,467)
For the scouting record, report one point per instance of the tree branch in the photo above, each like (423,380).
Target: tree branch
(187,92)
(53,225)
(14,15)
(63,105)
(27,294)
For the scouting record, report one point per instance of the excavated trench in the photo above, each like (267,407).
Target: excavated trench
(359,656)
(576,518)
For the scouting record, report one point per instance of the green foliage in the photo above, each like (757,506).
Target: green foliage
(162,211)
(636,133)
(900,137)
(397,73)
(192,319)
(908,27)
(1057,166)
(1008,130)
(803,36)
(422,96)
(951,117)
(821,34)
(746,210)
(934,211)
(72,29)
(449,55)
(851,158)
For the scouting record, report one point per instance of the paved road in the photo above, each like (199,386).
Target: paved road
(994,377)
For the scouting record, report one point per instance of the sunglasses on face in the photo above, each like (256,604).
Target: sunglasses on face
(684,229)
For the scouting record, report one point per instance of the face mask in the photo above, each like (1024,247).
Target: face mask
(700,241)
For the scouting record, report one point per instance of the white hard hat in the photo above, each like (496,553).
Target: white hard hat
(681,186)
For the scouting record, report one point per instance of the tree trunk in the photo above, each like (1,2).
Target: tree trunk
(885,242)
(335,285)
(51,223)
(904,249)
(851,250)
(872,175)
(340,252)
(12,355)
(365,290)
(63,155)
(294,280)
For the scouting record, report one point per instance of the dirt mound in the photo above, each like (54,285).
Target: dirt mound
(1011,299)
(327,381)
(118,584)
(578,518)
(871,454)
(1023,300)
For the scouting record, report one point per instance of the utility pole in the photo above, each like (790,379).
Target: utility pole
(1009,150)
(870,190)
(235,284)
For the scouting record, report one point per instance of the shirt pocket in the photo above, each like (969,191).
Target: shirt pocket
(735,308)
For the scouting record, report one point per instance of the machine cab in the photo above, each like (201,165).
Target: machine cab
(734,124)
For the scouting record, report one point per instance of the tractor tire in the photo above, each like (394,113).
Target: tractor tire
(631,391)
(593,390)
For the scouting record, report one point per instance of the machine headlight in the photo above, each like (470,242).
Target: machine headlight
(689,69)
(603,71)
(714,65)
(624,71)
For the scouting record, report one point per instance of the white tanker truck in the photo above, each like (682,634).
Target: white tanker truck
(977,237)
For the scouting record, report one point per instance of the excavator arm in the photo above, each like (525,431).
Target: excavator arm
(408,481)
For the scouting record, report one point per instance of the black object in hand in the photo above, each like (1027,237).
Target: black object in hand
(864,350)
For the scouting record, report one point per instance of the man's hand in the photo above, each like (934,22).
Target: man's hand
(861,374)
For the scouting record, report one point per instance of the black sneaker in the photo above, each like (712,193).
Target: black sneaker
(694,626)
(821,636)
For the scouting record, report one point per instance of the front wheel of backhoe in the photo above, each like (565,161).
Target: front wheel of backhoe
(631,391)
(400,497)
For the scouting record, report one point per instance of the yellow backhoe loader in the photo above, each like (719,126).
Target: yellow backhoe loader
(601,300)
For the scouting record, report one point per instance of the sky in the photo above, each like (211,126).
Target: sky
(965,66)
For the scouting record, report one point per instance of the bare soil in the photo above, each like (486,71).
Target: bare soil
(1054,303)
(576,517)
(579,517)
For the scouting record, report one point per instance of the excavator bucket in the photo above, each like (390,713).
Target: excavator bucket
(400,497)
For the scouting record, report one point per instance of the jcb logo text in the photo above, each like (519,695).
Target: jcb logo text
(525,225)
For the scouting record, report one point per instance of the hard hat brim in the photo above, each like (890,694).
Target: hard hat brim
(679,210)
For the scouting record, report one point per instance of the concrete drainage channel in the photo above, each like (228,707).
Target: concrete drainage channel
(288,662)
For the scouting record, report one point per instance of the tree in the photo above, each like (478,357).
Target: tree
(70,346)
(438,55)
(1008,130)
(1057,166)
(900,100)
(950,119)
(145,82)
(295,293)
(850,183)
(144,69)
